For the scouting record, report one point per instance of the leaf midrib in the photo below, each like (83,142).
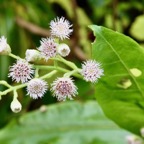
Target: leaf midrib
(133,78)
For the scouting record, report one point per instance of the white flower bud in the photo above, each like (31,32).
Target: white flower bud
(63,49)
(15,106)
(132,139)
(4,47)
(142,132)
(32,55)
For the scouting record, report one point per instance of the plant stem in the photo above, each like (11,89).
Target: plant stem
(14,56)
(13,88)
(68,63)
(58,69)
(5,84)
(36,73)
(68,74)
(49,74)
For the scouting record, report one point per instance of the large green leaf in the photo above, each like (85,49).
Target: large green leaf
(64,123)
(120,92)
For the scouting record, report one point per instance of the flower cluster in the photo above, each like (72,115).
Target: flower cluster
(49,48)
(62,88)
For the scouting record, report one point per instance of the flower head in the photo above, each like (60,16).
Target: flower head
(4,47)
(48,48)
(37,88)
(63,49)
(132,139)
(21,71)
(63,88)
(61,28)
(32,55)
(91,71)
(15,106)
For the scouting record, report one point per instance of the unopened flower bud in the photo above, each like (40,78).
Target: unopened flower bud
(63,49)
(4,47)
(15,106)
(142,132)
(32,55)
(131,139)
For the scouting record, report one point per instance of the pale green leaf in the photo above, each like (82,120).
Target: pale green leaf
(65,123)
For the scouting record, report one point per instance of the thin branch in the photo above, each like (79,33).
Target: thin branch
(32,27)
(115,4)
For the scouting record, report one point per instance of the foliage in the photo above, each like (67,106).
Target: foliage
(120,96)
(120,92)
(70,122)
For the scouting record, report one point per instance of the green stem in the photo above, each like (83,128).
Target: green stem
(68,63)
(36,73)
(14,56)
(5,84)
(55,63)
(13,89)
(49,74)
(15,94)
(68,74)
(58,69)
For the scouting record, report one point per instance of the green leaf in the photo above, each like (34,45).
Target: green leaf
(64,123)
(120,92)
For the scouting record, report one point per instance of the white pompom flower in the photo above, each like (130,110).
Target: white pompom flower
(63,50)
(15,105)
(61,28)
(36,88)
(48,48)
(21,71)
(4,47)
(92,71)
(64,88)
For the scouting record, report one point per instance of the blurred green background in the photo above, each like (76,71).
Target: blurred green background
(25,22)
